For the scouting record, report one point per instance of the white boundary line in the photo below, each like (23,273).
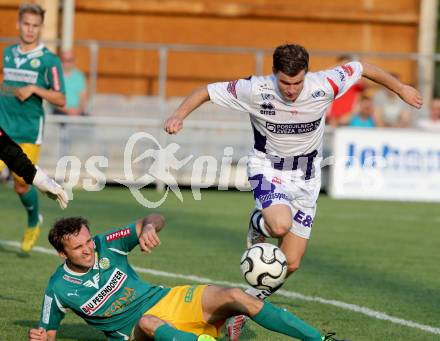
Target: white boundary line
(290,294)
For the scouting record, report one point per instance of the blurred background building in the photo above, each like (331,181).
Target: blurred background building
(370,29)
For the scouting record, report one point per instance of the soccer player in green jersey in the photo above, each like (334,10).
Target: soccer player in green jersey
(98,284)
(35,73)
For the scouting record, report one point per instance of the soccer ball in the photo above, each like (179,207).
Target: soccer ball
(264,266)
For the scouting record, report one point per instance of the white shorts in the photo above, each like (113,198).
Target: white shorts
(272,186)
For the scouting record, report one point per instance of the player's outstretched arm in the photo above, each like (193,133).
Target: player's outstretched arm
(40,334)
(406,92)
(174,123)
(147,230)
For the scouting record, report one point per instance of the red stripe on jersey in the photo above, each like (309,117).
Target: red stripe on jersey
(334,86)
(55,78)
(118,234)
(348,70)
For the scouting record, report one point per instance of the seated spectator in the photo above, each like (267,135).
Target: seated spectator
(431,123)
(344,106)
(391,111)
(76,89)
(365,117)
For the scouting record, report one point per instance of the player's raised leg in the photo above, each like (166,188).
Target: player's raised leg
(291,225)
(275,221)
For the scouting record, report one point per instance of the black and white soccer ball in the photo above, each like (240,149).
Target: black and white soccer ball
(264,266)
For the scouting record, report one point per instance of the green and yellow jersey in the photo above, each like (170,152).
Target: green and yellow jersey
(110,296)
(23,121)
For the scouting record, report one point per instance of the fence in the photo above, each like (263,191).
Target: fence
(259,54)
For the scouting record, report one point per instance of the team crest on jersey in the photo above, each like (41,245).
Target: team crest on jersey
(35,63)
(95,302)
(318,93)
(118,234)
(267,97)
(104,263)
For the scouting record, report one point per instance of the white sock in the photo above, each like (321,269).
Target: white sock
(257,293)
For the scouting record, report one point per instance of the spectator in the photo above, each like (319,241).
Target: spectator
(391,111)
(431,123)
(76,89)
(344,106)
(365,117)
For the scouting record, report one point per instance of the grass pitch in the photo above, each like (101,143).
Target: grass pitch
(383,256)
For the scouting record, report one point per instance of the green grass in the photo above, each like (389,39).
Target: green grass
(380,255)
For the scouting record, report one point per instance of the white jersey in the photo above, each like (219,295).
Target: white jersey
(284,128)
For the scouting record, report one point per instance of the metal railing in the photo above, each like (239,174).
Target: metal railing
(164,50)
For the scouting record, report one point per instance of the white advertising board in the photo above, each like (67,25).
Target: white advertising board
(389,164)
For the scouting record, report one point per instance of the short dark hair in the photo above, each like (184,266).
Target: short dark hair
(64,227)
(32,9)
(290,59)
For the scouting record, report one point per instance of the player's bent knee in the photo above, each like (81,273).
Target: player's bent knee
(279,228)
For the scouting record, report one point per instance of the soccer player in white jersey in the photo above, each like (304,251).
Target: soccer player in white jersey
(286,111)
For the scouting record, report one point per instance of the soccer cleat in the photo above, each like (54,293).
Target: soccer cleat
(329,337)
(31,235)
(205,337)
(235,327)
(254,236)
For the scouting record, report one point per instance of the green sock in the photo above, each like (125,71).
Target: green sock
(284,322)
(167,333)
(30,203)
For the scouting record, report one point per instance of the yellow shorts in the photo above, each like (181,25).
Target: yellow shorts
(33,153)
(182,308)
